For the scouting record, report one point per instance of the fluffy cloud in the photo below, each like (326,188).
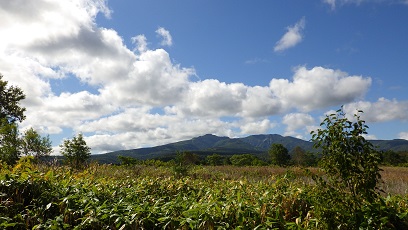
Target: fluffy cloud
(141,43)
(319,88)
(140,97)
(152,80)
(256,127)
(382,110)
(297,121)
(261,101)
(292,37)
(165,34)
(24,22)
(213,98)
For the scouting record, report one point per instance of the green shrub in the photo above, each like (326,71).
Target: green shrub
(346,196)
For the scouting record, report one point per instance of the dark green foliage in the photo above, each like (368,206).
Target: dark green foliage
(246,160)
(392,158)
(10,97)
(35,145)
(10,142)
(216,159)
(302,158)
(10,112)
(349,161)
(279,155)
(347,197)
(128,160)
(75,151)
(189,158)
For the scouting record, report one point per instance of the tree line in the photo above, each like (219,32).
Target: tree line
(278,155)
(14,144)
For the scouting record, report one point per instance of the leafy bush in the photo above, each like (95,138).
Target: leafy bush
(347,197)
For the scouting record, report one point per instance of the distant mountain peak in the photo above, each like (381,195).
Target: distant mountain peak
(254,144)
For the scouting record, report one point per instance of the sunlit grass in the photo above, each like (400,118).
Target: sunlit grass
(135,197)
(394,179)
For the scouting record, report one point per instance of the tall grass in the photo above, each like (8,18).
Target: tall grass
(395,180)
(148,197)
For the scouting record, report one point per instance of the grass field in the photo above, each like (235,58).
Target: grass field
(394,179)
(148,197)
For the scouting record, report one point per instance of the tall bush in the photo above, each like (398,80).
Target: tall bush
(347,194)
(349,160)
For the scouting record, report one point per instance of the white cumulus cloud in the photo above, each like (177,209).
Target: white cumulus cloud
(140,42)
(318,88)
(292,37)
(256,127)
(382,110)
(165,34)
(297,121)
(139,96)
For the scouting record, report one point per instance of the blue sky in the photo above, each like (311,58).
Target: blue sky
(130,74)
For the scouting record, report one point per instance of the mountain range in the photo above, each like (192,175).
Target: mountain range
(210,144)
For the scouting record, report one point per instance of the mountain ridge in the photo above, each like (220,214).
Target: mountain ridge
(210,144)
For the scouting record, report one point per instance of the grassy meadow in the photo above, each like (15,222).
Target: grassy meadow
(36,196)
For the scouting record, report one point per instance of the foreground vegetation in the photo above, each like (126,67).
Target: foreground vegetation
(211,197)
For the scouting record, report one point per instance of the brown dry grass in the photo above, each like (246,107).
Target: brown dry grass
(395,180)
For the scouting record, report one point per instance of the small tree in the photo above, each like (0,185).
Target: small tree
(10,113)
(10,97)
(10,150)
(125,160)
(279,155)
(215,159)
(75,151)
(183,162)
(302,158)
(349,160)
(35,145)
(190,158)
(347,191)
